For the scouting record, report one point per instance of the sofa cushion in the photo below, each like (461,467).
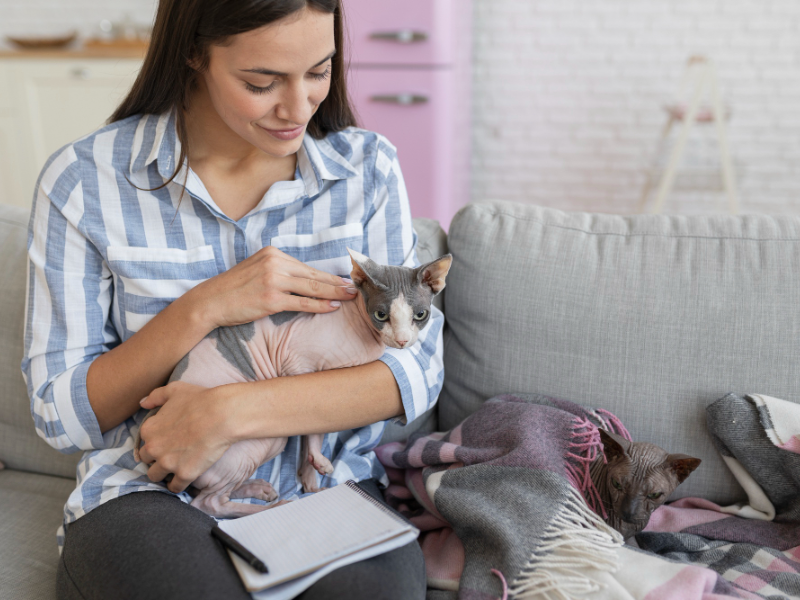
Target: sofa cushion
(20,446)
(650,317)
(33,509)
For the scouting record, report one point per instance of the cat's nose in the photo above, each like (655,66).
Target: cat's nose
(402,343)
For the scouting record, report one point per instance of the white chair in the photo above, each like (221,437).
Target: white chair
(699,80)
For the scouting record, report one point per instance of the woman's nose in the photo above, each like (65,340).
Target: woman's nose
(295,105)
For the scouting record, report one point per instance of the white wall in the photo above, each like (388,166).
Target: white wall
(52,17)
(568,97)
(568,93)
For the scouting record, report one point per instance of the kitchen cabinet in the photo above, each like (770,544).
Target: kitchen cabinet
(410,80)
(48,102)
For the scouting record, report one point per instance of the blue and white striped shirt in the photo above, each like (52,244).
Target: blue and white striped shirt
(105,257)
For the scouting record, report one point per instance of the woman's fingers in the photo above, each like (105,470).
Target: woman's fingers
(311,288)
(156,398)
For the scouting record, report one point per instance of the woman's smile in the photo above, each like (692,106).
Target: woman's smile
(284,134)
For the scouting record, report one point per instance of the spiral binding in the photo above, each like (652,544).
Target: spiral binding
(376,503)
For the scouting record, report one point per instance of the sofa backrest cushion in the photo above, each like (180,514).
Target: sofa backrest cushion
(20,446)
(650,317)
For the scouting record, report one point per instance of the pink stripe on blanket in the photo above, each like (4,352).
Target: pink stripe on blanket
(749,582)
(793,445)
(691,583)
(671,519)
(780,565)
(455,435)
(415,453)
(793,552)
(385,452)
(696,503)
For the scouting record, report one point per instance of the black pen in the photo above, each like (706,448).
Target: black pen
(235,547)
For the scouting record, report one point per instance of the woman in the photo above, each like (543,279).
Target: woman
(231,170)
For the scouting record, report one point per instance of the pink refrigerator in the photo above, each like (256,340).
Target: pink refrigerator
(410,80)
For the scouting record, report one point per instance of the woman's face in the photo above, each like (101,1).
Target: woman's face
(266,83)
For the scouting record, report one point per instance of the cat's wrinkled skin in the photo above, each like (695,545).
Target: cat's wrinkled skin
(636,478)
(392,306)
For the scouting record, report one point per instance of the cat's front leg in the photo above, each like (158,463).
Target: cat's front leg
(314,462)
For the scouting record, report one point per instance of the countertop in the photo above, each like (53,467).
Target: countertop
(125,50)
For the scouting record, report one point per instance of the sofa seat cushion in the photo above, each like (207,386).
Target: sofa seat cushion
(650,317)
(33,509)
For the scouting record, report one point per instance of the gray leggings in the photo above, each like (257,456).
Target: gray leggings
(152,546)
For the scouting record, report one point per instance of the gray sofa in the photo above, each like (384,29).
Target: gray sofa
(650,317)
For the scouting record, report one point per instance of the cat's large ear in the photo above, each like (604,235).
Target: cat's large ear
(432,274)
(682,465)
(614,446)
(360,273)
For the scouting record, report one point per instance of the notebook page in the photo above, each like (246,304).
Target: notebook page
(303,535)
(293,587)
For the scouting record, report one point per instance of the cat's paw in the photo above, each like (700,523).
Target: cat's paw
(255,488)
(322,465)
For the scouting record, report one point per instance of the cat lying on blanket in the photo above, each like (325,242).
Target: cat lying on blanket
(636,478)
(392,307)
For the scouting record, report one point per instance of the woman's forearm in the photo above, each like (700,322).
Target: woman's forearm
(313,403)
(120,378)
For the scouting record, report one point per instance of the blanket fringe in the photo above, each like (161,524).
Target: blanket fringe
(577,539)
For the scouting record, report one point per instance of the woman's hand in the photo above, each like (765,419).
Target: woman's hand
(186,436)
(266,283)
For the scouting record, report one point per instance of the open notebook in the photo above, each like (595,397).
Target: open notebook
(302,541)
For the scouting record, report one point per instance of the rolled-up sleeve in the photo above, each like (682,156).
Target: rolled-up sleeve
(68,299)
(390,239)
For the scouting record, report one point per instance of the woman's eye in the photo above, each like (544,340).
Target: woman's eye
(655,495)
(260,90)
(616,484)
(321,76)
(380,315)
(420,316)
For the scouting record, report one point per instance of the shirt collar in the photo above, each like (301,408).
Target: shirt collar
(156,140)
(318,161)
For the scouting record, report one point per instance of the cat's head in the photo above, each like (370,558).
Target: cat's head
(398,299)
(641,477)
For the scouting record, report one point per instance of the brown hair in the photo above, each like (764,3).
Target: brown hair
(183,32)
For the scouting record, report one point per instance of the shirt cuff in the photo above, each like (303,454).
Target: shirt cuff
(74,411)
(411,381)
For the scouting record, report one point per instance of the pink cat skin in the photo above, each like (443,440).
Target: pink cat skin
(392,306)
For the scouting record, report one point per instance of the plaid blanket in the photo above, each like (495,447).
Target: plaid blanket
(499,499)
(502,500)
(753,547)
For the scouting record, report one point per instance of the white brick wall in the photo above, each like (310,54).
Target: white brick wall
(568,94)
(568,97)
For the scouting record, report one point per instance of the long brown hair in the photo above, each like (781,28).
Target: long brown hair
(183,32)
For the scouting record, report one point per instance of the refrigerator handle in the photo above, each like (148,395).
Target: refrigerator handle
(404,99)
(403,36)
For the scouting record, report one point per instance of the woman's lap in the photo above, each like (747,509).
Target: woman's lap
(151,545)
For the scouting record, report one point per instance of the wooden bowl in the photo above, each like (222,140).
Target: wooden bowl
(38,43)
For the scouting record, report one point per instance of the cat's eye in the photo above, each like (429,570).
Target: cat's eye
(655,495)
(616,484)
(421,315)
(380,315)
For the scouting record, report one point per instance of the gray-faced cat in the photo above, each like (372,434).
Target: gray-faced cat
(635,479)
(393,305)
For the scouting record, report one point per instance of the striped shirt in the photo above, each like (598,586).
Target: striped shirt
(105,257)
